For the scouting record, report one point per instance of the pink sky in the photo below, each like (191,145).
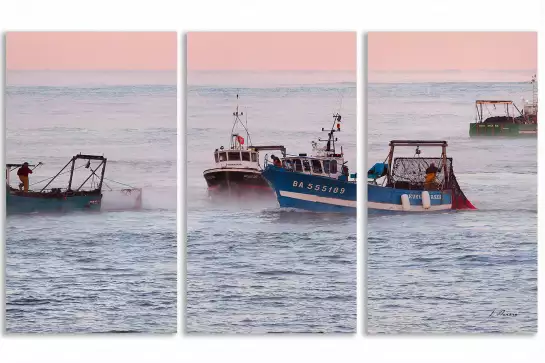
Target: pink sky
(465,51)
(91,50)
(263,51)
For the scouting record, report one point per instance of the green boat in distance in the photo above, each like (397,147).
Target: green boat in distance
(513,123)
(86,196)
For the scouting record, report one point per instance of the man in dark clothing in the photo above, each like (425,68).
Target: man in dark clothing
(23,176)
(276,161)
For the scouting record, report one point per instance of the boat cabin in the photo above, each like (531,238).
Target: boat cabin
(239,157)
(236,158)
(325,161)
(329,167)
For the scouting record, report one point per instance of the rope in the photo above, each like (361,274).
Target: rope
(51,177)
(489,113)
(108,186)
(93,177)
(127,185)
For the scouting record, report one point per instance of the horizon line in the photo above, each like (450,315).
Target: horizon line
(268,70)
(453,70)
(90,70)
(458,81)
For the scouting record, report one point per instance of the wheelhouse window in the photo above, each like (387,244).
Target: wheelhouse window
(216,157)
(306,165)
(297,165)
(245,156)
(316,166)
(234,156)
(333,166)
(223,156)
(326,166)
(254,157)
(287,163)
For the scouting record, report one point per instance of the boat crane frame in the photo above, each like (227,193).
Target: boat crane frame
(480,113)
(425,143)
(72,162)
(101,168)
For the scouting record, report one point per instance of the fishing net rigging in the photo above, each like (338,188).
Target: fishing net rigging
(410,173)
(52,177)
(125,197)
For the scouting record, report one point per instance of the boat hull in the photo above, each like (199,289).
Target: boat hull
(237,183)
(21,203)
(502,130)
(310,192)
(384,199)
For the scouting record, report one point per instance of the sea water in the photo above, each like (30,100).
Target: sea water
(455,272)
(112,271)
(251,266)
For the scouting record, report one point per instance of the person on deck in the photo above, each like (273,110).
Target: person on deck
(23,176)
(276,161)
(344,173)
(431,173)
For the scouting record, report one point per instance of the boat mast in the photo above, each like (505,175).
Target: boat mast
(237,120)
(330,146)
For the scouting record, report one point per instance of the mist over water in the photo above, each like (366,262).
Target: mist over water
(251,266)
(111,271)
(447,272)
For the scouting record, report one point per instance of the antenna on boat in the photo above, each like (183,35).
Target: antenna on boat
(247,130)
(341,95)
(237,115)
(330,146)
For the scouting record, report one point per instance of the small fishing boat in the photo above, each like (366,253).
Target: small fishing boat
(415,184)
(513,121)
(237,172)
(86,195)
(320,182)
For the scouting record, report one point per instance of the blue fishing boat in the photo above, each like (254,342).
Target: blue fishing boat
(86,195)
(415,184)
(319,182)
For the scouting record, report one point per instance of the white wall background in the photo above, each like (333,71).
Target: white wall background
(361,16)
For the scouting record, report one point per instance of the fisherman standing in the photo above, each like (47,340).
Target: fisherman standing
(23,176)
(276,161)
(431,173)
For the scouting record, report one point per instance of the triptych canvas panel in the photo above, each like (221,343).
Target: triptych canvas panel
(271,173)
